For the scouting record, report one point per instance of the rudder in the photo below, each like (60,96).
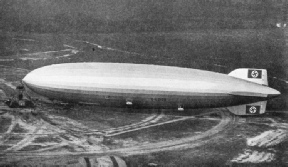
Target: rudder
(249,109)
(258,76)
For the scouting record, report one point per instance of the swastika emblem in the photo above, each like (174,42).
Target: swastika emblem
(252,110)
(254,74)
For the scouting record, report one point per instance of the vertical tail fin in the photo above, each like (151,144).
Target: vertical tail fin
(249,109)
(253,75)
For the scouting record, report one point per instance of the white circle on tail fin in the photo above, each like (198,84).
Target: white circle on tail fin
(252,110)
(254,74)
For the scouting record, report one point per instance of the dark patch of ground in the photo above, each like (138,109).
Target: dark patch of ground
(5,123)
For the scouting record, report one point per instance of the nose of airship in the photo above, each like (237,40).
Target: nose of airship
(31,78)
(26,80)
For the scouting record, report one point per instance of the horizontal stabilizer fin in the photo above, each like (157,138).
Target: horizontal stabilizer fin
(249,109)
(258,76)
(248,94)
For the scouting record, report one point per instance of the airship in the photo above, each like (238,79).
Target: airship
(243,91)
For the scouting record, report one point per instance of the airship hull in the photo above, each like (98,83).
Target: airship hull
(142,86)
(144,100)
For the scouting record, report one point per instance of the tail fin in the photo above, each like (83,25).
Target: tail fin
(249,109)
(253,75)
